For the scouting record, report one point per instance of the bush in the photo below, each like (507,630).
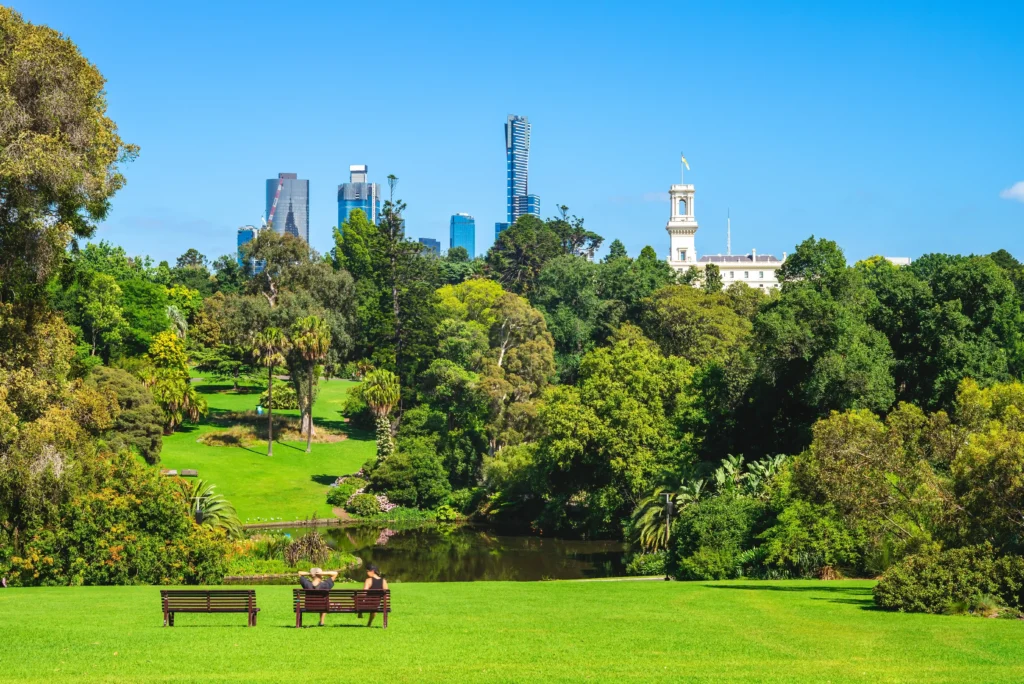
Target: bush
(357,411)
(807,541)
(363,506)
(465,501)
(709,536)
(446,513)
(339,496)
(413,477)
(1010,575)
(139,425)
(284,397)
(936,582)
(647,564)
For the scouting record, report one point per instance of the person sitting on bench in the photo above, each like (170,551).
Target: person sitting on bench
(318,579)
(374,582)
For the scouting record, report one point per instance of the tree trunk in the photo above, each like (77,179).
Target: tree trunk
(270,411)
(309,412)
(385,445)
(235,376)
(93,342)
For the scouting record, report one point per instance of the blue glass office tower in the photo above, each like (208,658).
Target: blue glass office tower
(358,194)
(288,205)
(430,243)
(246,234)
(462,233)
(517,157)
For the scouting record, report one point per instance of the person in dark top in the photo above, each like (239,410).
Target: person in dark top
(374,582)
(318,579)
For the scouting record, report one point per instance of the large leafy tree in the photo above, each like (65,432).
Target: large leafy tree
(59,156)
(815,350)
(697,326)
(567,293)
(521,251)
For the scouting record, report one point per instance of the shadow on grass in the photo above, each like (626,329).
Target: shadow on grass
(324,479)
(865,603)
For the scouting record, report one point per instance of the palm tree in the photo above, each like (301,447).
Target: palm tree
(312,338)
(269,348)
(209,509)
(381,392)
(651,518)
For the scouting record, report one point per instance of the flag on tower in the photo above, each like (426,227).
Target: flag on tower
(682,158)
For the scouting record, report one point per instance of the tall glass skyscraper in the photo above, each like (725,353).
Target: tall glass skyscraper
(431,244)
(246,234)
(358,194)
(462,233)
(288,205)
(517,157)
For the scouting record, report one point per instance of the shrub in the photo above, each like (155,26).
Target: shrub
(1010,576)
(357,411)
(709,536)
(807,541)
(465,501)
(339,496)
(284,397)
(446,513)
(413,477)
(647,564)
(363,506)
(936,582)
(310,548)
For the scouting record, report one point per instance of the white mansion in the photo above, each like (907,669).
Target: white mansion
(756,270)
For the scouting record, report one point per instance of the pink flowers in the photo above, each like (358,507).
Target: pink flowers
(385,505)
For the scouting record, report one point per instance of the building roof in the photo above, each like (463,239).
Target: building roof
(738,259)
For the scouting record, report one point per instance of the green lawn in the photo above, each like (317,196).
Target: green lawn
(291,484)
(512,632)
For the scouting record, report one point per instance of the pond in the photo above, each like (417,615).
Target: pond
(447,553)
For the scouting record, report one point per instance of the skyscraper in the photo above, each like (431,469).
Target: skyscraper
(358,194)
(246,234)
(288,205)
(431,244)
(517,157)
(462,233)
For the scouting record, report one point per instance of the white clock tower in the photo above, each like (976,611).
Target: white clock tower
(682,228)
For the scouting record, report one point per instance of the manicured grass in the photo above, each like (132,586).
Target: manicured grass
(512,632)
(290,485)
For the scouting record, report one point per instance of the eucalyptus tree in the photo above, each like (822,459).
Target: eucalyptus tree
(269,348)
(311,337)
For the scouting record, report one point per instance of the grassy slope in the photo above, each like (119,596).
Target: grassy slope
(291,484)
(496,631)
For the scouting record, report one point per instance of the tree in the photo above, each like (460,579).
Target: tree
(229,277)
(269,348)
(139,423)
(520,253)
(575,239)
(382,392)
(192,259)
(168,377)
(312,339)
(712,279)
(59,152)
(567,293)
(616,250)
(702,328)
(101,308)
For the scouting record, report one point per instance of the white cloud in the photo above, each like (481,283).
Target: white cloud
(1014,192)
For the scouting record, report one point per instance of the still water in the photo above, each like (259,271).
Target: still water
(442,553)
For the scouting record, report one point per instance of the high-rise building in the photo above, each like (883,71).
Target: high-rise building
(288,205)
(517,158)
(498,227)
(246,234)
(358,194)
(431,244)
(462,233)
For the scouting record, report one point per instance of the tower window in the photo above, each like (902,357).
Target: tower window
(682,207)
(732,274)
(761,276)
(746,275)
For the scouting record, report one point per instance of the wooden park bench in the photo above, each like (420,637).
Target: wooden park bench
(208,601)
(357,601)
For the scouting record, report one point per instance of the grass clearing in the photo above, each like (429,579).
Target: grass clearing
(290,485)
(512,632)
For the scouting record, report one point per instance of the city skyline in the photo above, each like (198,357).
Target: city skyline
(835,120)
(358,193)
(287,206)
(462,233)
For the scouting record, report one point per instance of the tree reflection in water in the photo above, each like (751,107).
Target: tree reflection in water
(450,553)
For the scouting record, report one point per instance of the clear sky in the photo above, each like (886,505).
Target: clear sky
(890,127)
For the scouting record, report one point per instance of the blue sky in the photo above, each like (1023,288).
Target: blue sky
(891,128)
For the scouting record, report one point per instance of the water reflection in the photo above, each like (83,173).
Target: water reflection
(441,553)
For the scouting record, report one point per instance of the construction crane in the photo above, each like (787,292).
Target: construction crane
(273,207)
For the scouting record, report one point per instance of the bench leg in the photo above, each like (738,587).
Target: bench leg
(386,618)
(170,622)
(298,618)
(165,618)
